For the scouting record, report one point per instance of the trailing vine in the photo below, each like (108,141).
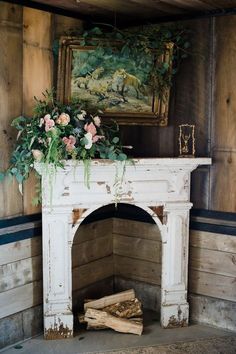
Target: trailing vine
(141,49)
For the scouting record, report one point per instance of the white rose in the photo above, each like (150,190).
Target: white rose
(97,121)
(38,155)
(89,138)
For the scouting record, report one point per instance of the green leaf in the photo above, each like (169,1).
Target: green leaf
(2,176)
(122,157)
(19,177)
(96,30)
(115,140)
(112,156)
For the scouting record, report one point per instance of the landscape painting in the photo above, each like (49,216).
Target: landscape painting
(114,81)
(106,78)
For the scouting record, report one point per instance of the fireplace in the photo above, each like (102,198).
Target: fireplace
(159,186)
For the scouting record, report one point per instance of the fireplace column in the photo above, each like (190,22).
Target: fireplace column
(58,317)
(174,305)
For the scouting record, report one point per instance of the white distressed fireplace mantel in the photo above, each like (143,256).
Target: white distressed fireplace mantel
(160,186)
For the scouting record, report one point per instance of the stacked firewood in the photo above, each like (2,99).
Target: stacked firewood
(121,312)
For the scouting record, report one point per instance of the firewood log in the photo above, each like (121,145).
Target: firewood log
(110,300)
(125,309)
(101,318)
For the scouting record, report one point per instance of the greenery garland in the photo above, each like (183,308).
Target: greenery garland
(142,47)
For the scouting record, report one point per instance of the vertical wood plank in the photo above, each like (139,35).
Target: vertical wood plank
(10,100)
(223,194)
(37,74)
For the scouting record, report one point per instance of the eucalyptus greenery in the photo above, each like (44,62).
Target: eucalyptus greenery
(58,132)
(140,49)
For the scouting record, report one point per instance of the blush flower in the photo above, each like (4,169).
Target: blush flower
(49,123)
(63,119)
(90,128)
(69,142)
(98,137)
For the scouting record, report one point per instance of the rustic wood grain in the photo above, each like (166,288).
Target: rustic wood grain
(215,285)
(212,241)
(102,318)
(136,229)
(110,300)
(211,261)
(20,298)
(87,232)
(10,100)
(20,273)
(37,74)
(88,251)
(92,272)
(225,77)
(137,269)
(147,250)
(223,196)
(223,181)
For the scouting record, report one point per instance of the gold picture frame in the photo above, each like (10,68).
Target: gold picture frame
(127,99)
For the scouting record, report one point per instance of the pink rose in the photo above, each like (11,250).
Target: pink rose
(69,142)
(63,119)
(90,128)
(47,117)
(49,123)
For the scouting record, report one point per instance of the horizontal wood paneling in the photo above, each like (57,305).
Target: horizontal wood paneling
(20,273)
(137,269)
(19,250)
(212,265)
(208,240)
(20,298)
(215,285)
(92,231)
(136,229)
(92,272)
(217,262)
(139,248)
(91,250)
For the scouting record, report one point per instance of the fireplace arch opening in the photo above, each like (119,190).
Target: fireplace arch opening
(116,248)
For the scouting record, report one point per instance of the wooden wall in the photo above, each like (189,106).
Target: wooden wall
(20,276)
(223,137)
(11,202)
(212,271)
(137,251)
(204,95)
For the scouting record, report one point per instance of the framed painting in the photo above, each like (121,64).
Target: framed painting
(116,83)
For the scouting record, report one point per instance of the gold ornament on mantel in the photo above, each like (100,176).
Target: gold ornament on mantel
(186,140)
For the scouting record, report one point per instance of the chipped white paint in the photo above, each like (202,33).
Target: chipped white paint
(147,183)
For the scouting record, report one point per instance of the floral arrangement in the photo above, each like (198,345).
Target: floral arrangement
(58,132)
